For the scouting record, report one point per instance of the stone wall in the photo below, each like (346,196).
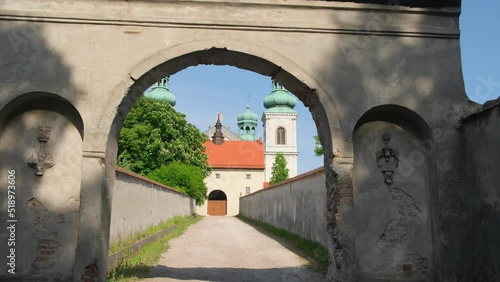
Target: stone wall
(139,203)
(296,205)
(358,57)
(482,134)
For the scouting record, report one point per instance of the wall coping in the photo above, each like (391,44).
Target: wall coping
(487,106)
(289,180)
(140,177)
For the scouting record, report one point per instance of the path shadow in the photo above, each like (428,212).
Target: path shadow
(312,265)
(288,274)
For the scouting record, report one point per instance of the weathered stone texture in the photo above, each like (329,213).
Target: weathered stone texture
(46,233)
(93,59)
(483,159)
(392,221)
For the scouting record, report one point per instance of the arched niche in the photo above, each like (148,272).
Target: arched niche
(46,205)
(393,179)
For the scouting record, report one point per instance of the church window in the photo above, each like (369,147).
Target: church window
(280,136)
(247,190)
(217,175)
(249,176)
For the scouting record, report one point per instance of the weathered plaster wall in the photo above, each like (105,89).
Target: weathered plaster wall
(139,203)
(340,59)
(392,213)
(46,207)
(483,162)
(295,205)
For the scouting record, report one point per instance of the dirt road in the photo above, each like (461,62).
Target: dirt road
(227,249)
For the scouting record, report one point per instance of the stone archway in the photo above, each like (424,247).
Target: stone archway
(340,59)
(242,55)
(217,203)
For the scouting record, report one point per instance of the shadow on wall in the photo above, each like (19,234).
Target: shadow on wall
(420,73)
(40,158)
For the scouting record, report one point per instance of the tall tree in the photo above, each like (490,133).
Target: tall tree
(318,150)
(280,171)
(186,178)
(155,134)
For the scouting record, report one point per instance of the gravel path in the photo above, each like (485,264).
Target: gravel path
(227,249)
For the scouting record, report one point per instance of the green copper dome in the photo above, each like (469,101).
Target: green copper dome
(247,116)
(247,125)
(280,100)
(161,92)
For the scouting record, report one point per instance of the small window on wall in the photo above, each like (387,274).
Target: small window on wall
(249,176)
(217,175)
(247,190)
(280,136)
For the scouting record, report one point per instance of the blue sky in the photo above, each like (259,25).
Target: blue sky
(480,44)
(202,91)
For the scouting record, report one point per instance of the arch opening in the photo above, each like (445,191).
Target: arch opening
(168,64)
(217,203)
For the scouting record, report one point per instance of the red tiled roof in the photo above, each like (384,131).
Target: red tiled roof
(235,154)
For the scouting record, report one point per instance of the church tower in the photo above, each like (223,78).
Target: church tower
(280,129)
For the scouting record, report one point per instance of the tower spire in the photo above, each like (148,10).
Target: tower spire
(218,137)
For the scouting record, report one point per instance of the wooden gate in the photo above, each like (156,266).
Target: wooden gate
(217,207)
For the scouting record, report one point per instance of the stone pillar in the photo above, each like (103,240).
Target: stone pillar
(338,171)
(339,219)
(93,235)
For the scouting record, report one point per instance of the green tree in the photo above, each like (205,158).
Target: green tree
(185,178)
(318,151)
(280,171)
(155,134)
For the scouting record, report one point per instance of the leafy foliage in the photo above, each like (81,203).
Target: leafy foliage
(185,178)
(155,134)
(279,170)
(318,151)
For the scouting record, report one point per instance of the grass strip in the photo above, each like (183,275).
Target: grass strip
(116,246)
(136,266)
(312,251)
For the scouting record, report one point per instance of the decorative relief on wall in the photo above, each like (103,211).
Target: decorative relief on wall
(41,160)
(47,244)
(387,160)
(405,216)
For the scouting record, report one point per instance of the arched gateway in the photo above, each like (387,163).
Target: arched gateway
(345,61)
(217,203)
